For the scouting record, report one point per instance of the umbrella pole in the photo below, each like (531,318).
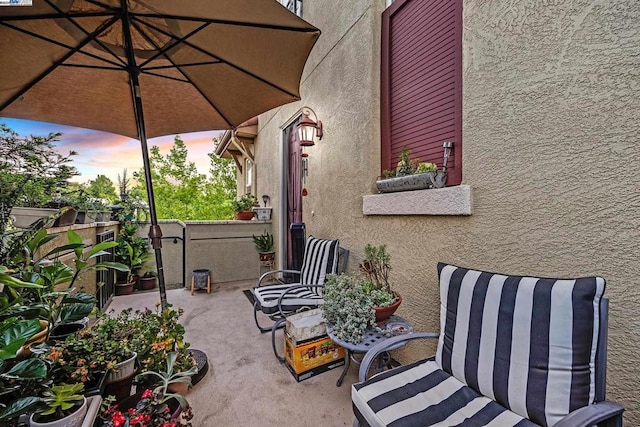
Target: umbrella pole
(155,233)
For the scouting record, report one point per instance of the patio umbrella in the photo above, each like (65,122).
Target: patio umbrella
(146,68)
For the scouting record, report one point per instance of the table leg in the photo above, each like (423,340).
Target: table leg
(347,363)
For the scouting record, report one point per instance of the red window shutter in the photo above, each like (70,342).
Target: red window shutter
(421,82)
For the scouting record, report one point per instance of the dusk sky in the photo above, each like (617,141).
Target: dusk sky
(101,153)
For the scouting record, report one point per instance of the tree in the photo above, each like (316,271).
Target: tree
(102,188)
(31,171)
(181,192)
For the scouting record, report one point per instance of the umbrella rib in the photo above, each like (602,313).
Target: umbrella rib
(232,65)
(57,43)
(100,4)
(53,66)
(78,26)
(162,51)
(228,22)
(135,24)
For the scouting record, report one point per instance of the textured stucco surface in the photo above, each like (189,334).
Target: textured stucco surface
(441,201)
(551,153)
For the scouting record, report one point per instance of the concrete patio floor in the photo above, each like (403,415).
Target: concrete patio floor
(245,384)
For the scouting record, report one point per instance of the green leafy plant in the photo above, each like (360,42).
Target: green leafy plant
(263,242)
(376,266)
(61,400)
(150,273)
(244,203)
(426,167)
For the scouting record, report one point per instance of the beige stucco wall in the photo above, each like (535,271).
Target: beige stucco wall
(551,153)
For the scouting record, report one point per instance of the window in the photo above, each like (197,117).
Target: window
(248,176)
(421,82)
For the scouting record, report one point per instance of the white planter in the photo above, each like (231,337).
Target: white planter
(74,420)
(122,370)
(263,214)
(24,217)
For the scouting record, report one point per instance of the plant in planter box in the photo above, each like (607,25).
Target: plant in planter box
(156,406)
(244,205)
(411,174)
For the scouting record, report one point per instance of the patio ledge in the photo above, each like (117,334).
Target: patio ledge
(441,201)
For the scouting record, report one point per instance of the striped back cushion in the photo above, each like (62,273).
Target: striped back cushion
(320,259)
(528,343)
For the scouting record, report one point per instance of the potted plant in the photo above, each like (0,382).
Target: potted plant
(355,302)
(148,280)
(156,406)
(62,406)
(264,246)
(244,205)
(132,251)
(410,174)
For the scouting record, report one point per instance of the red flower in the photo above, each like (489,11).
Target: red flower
(147,394)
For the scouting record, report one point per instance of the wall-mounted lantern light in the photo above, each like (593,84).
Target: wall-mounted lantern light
(308,128)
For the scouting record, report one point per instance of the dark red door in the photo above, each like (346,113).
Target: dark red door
(294,182)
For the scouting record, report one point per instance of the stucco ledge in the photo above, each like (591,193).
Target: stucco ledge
(441,201)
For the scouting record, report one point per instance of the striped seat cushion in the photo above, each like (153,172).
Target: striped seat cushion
(422,394)
(320,259)
(267,297)
(512,351)
(528,343)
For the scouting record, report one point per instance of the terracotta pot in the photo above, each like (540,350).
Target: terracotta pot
(180,388)
(383,313)
(244,215)
(147,283)
(126,288)
(120,389)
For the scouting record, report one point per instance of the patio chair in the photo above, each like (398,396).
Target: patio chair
(321,257)
(512,351)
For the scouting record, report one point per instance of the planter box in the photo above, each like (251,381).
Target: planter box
(418,181)
(24,217)
(263,214)
(86,217)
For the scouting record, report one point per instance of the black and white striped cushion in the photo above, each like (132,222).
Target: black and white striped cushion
(526,342)
(422,394)
(320,259)
(529,344)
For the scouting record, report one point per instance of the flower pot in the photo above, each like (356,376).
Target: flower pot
(62,331)
(67,218)
(121,388)
(147,283)
(266,258)
(180,388)
(24,217)
(73,420)
(263,214)
(417,181)
(383,313)
(96,386)
(121,370)
(244,215)
(131,402)
(125,288)
(86,217)
(25,351)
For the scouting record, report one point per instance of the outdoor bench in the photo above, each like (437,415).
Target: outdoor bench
(512,351)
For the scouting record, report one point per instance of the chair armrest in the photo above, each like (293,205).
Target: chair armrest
(293,288)
(592,414)
(269,273)
(374,351)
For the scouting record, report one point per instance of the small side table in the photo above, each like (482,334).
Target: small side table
(398,325)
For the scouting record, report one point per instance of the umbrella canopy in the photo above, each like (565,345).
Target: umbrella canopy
(146,68)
